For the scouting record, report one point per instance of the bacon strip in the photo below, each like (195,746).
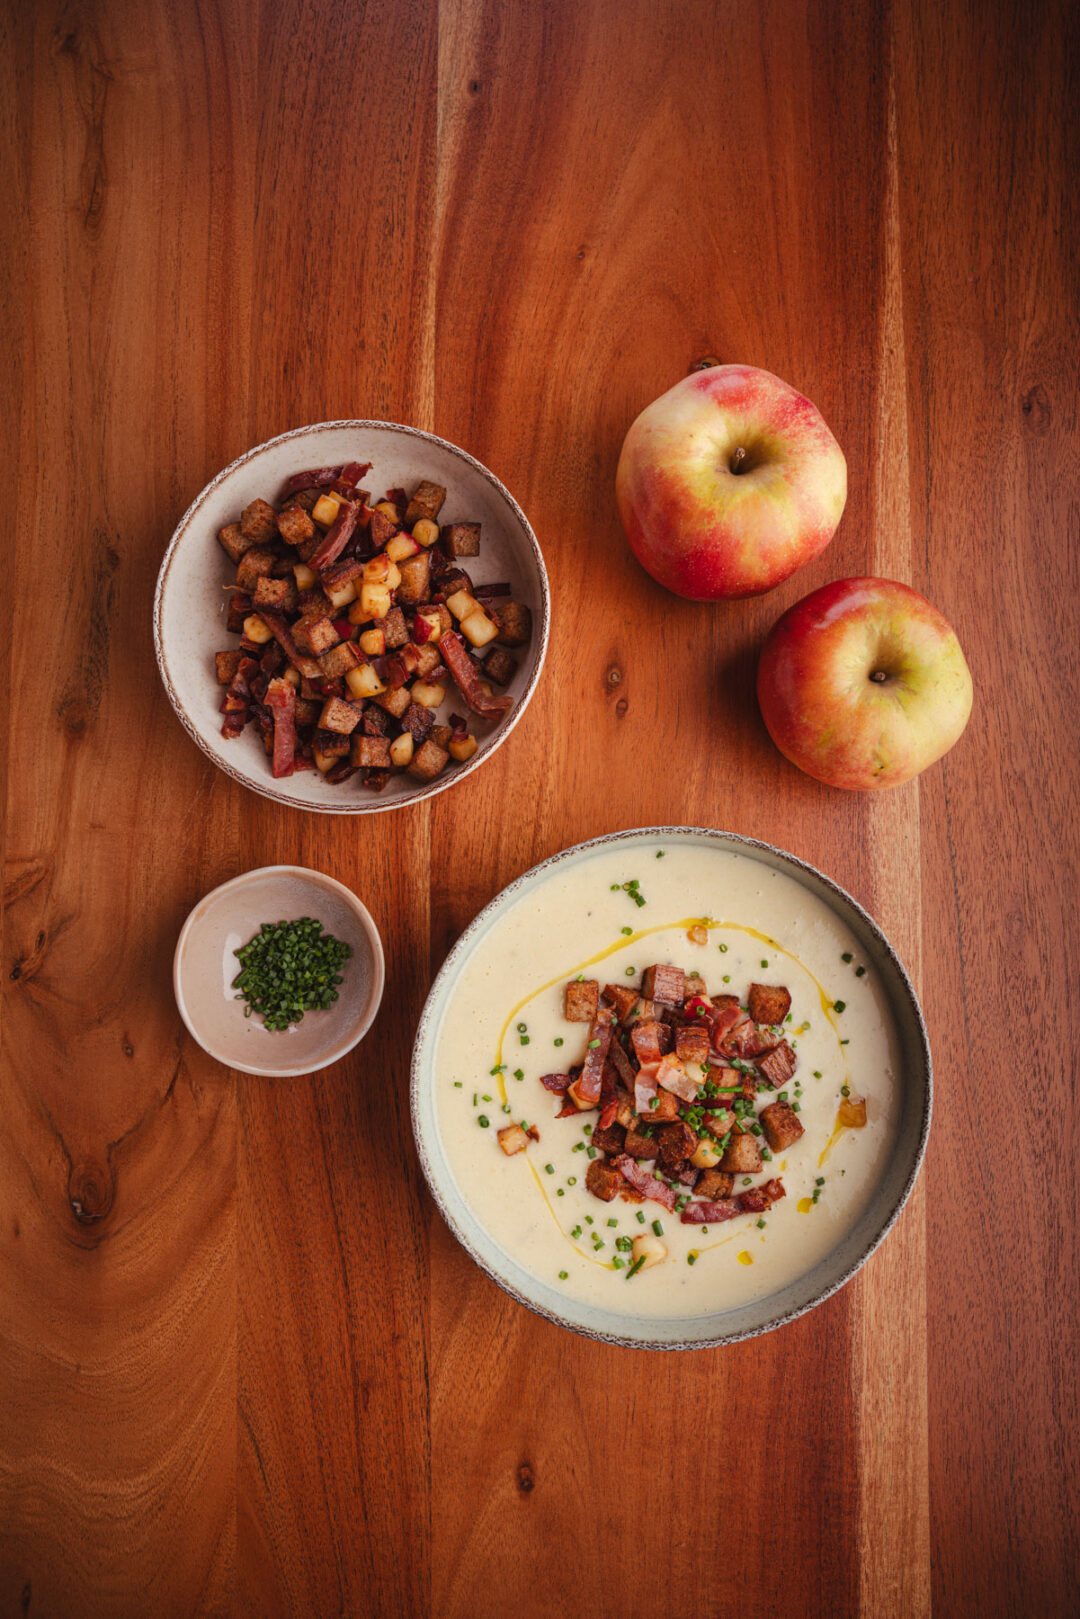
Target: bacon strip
(467,679)
(645,1038)
(589,1085)
(309,480)
(281,700)
(492,590)
(645,1086)
(643,1182)
(337,537)
(282,634)
(725,1208)
(674,1078)
(609,1101)
(237,697)
(621,1063)
(233,724)
(555,1082)
(760,1198)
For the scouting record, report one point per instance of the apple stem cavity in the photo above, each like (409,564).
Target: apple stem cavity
(737,459)
(880,676)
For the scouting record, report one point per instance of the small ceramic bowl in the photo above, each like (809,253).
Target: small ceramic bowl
(190,604)
(761,1314)
(205,965)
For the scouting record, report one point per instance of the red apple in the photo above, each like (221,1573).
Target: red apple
(863,684)
(728,483)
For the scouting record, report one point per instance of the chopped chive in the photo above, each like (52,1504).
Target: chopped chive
(660,853)
(820,1181)
(563,1275)
(613,1222)
(635,1267)
(761,1222)
(630,972)
(559,1192)
(817,1073)
(626,930)
(522,1027)
(641,1217)
(591,1152)
(860,972)
(475,1099)
(457,1084)
(766,1154)
(524,1039)
(483,1121)
(576,1231)
(558,1040)
(658,1228)
(549,1169)
(691,1258)
(593,1044)
(839,1006)
(571,1180)
(723,950)
(847,956)
(519,1073)
(845,1042)
(845,1090)
(764,963)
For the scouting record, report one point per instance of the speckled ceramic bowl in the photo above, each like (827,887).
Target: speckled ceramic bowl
(204,967)
(760,1315)
(190,604)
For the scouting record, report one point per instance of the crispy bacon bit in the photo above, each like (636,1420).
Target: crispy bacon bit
(337,536)
(645,1086)
(715,1213)
(555,1082)
(674,1078)
(643,1182)
(319,479)
(282,634)
(645,1038)
(532,1132)
(467,678)
(587,1089)
(493,590)
(621,1063)
(725,1017)
(233,724)
(760,1198)
(281,701)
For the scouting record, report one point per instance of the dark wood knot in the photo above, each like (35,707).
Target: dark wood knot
(525,1480)
(90,1192)
(706,363)
(1035,409)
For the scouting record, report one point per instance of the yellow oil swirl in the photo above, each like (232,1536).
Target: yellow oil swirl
(804,1205)
(624,942)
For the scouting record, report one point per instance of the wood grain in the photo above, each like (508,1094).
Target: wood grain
(243,1366)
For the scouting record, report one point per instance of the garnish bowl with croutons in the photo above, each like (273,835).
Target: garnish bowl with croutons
(352,616)
(671,1088)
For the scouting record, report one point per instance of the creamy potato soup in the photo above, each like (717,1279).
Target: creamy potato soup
(609,918)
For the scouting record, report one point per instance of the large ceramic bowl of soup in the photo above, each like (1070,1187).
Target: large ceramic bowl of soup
(733,914)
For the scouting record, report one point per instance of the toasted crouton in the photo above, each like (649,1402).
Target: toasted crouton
(768,1003)
(339,716)
(395,629)
(426,502)
(461,539)
(622,999)
(664,984)
(743,1155)
(382,528)
(715,1184)
(428,761)
(781,1126)
(255,564)
(227,664)
(336,663)
(295,526)
(692,1043)
(640,1141)
(603,1180)
(499,666)
(314,634)
(441,735)
(280,594)
(778,1065)
(580,999)
(233,541)
(258,523)
(370,752)
(513,1139)
(515,624)
(395,701)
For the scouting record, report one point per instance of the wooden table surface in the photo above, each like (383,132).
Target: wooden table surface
(244,1368)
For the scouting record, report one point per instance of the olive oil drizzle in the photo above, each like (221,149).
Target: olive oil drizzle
(623,943)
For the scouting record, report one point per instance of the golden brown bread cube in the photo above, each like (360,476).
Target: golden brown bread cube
(440,735)
(719,1120)
(370,752)
(580,1000)
(295,526)
(227,664)
(664,984)
(695,985)
(258,522)
(314,634)
(395,701)
(603,1180)
(768,1003)
(415,572)
(461,539)
(339,716)
(255,564)
(332,743)
(781,1126)
(640,1144)
(714,1183)
(280,594)
(427,659)
(692,1043)
(395,629)
(426,502)
(382,529)
(499,666)
(515,624)
(666,1109)
(233,541)
(622,999)
(427,761)
(336,663)
(743,1155)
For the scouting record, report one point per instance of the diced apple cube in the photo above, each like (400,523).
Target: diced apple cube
(425,532)
(462,750)
(373,642)
(478,629)
(463,604)
(306,578)
(401,750)
(325,509)
(256,630)
(341,597)
(374,603)
(427,694)
(364,682)
(400,547)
